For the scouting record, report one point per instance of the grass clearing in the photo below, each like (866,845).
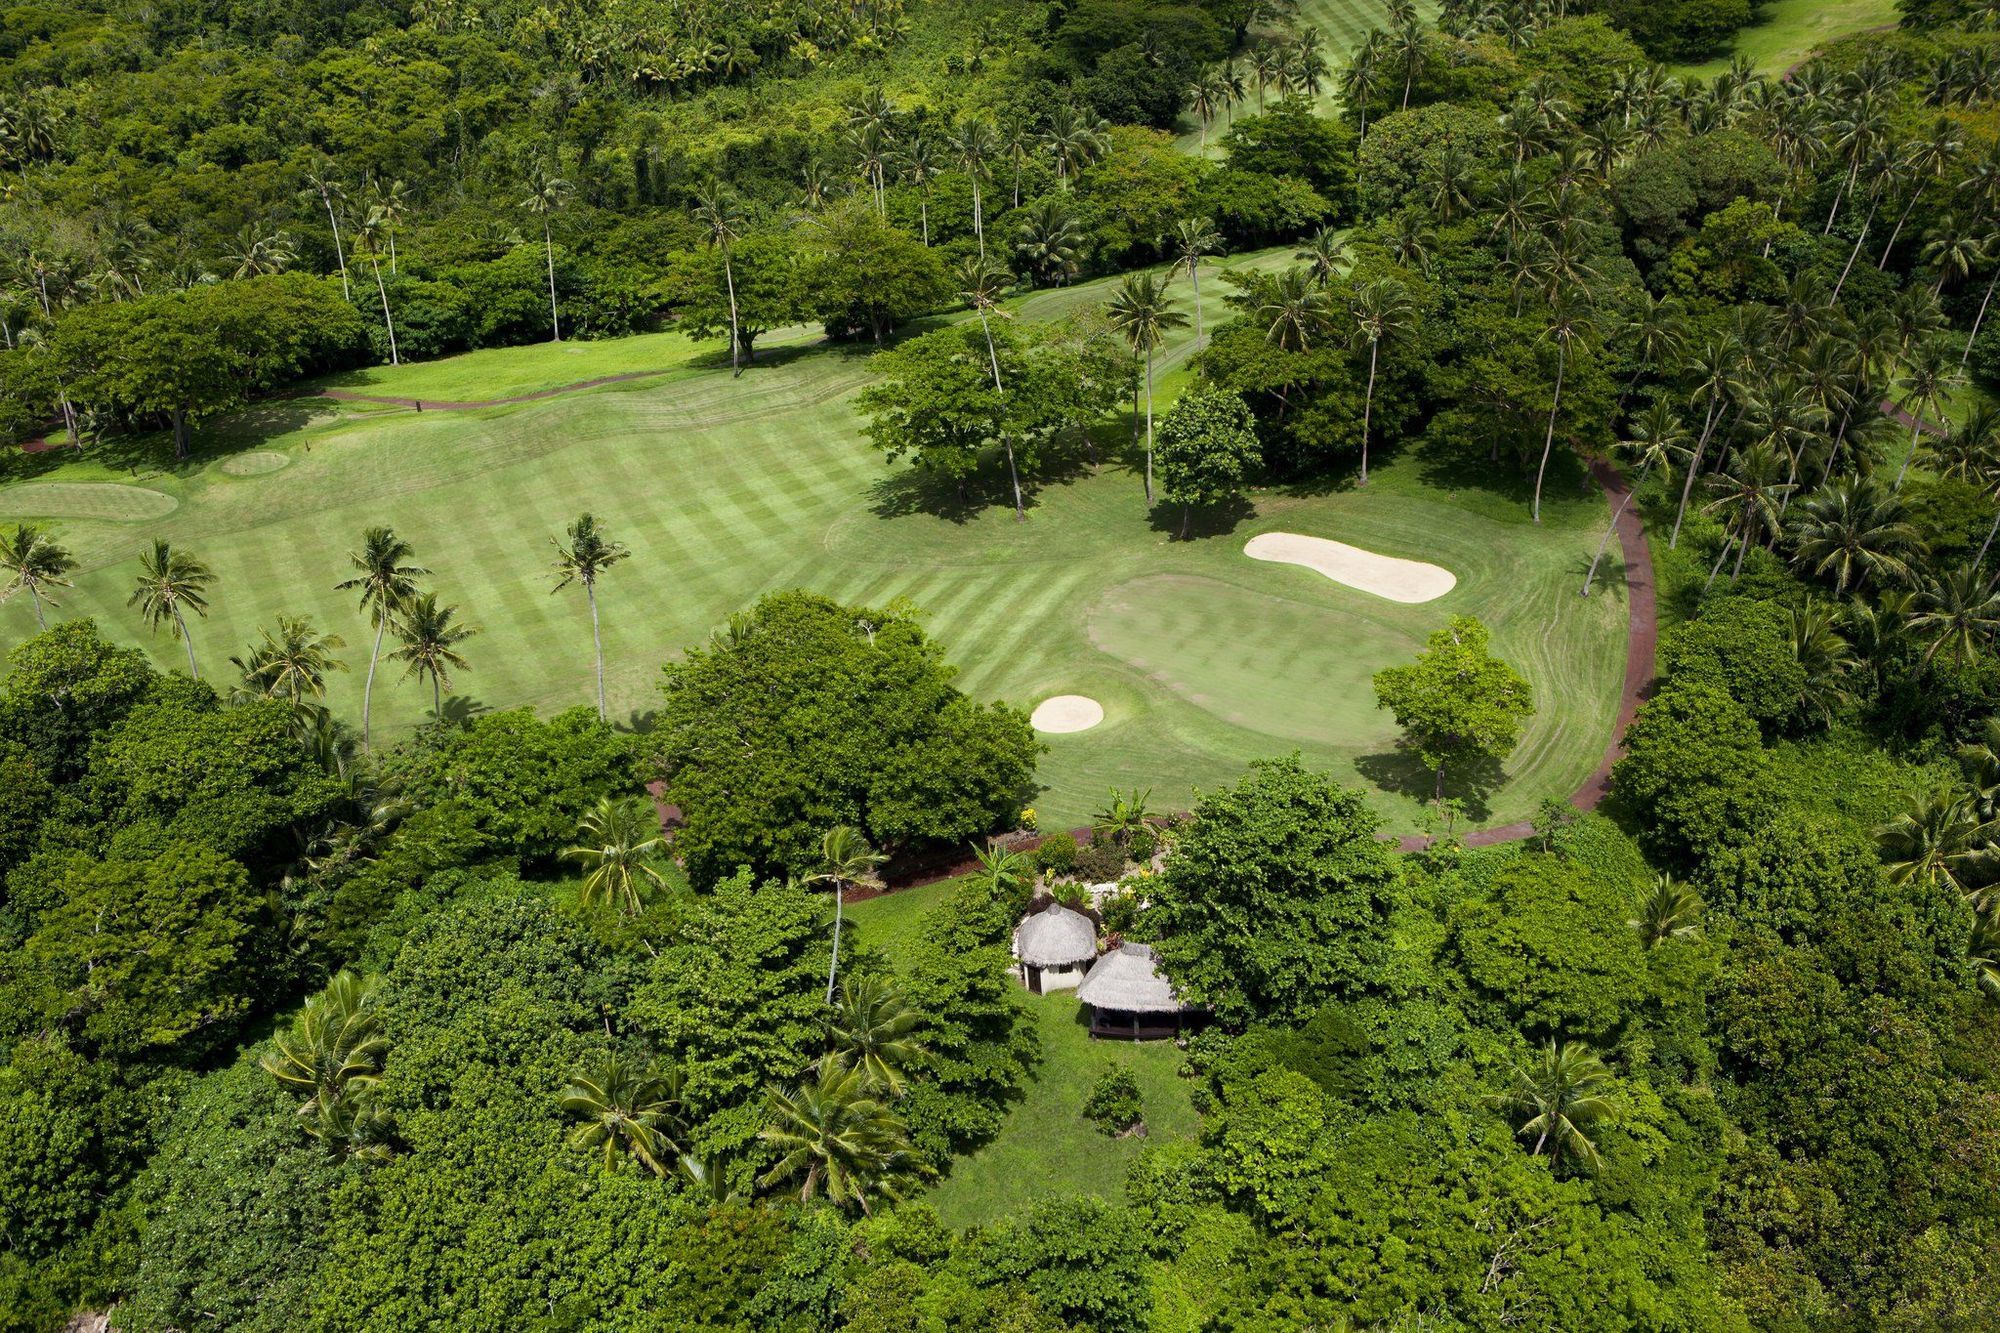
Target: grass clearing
(1046,1149)
(1785,32)
(888,924)
(729,488)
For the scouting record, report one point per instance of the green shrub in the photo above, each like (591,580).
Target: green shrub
(1057,854)
(1114,1105)
(1100,862)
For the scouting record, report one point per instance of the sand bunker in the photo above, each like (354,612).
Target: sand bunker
(1067,712)
(1382,575)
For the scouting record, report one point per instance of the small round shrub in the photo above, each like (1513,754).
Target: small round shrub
(1057,854)
(1099,863)
(1141,846)
(1113,1105)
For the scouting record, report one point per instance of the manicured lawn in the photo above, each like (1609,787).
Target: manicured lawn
(1046,1148)
(1787,31)
(889,923)
(729,488)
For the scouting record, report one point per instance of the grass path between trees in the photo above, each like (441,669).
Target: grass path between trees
(1786,32)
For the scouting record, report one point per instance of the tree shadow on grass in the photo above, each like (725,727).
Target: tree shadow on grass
(1459,468)
(1470,782)
(460,709)
(639,722)
(1202,521)
(911,490)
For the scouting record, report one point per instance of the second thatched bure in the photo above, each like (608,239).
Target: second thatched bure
(1129,997)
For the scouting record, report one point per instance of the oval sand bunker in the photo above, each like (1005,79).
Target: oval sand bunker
(1066,712)
(1382,575)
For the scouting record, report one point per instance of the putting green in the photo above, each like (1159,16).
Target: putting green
(108,502)
(725,489)
(256,463)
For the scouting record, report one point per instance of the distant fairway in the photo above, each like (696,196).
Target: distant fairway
(1785,32)
(725,489)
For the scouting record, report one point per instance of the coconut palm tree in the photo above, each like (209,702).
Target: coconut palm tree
(1747,495)
(429,639)
(1382,311)
(588,554)
(715,208)
(1657,436)
(1143,310)
(1569,320)
(617,842)
(1325,255)
(836,1137)
(1190,241)
(386,585)
(1717,370)
(1926,160)
(981,283)
(974,147)
(1982,950)
(1669,910)
(1049,240)
(1298,311)
(291,664)
(627,1105)
(869,1031)
(845,859)
(323,186)
(1074,139)
(170,584)
(335,1046)
(547,193)
(1361,78)
(33,563)
(1926,380)
(1959,609)
(258,254)
(1937,839)
(1856,531)
(391,202)
(917,162)
(1558,1096)
(369,238)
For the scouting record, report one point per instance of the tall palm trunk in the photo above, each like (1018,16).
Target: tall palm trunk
(1846,184)
(387,319)
(186,642)
(1604,544)
(549,252)
(834,966)
(1897,231)
(978,217)
(1694,466)
(437,697)
(1194,277)
(1006,439)
(1727,540)
(1874,203)
(597,640)
(1980,559)
(735,339)
(1149,425)
(1549,442)
(368,688)
(1978,319)
(1368,405)
(1916,435)
(34,594)
(339,255)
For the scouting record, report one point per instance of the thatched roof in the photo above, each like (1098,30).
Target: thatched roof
(1057,937)
(1130,981)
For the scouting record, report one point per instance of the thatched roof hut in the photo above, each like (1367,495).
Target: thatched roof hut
(1129,997)
(1054,946)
